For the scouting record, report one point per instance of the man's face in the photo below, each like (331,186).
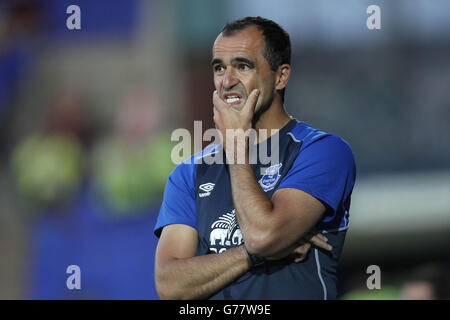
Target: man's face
(239,67)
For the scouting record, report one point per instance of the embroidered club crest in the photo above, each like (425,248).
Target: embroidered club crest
(270,177)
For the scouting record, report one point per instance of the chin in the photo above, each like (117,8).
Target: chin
(238,107)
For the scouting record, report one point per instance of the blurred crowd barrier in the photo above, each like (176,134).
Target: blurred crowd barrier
(86,118)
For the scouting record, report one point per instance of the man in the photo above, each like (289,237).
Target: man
(260,223)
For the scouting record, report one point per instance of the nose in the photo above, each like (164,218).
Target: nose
(229,79)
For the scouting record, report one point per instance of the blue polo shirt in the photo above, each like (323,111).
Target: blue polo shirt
(198,194)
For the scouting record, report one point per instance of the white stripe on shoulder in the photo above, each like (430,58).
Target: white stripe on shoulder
(293,137)
(201,154)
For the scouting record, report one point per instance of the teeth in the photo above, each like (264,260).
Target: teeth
(231,99)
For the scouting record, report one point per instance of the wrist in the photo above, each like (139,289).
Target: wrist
(255,260)
(236,150)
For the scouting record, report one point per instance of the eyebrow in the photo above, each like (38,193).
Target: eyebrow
(216,61)
(237,59)
(244,60)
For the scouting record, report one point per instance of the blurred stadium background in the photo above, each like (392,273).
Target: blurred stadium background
(86,117)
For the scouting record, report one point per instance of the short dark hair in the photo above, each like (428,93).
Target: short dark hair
(277,49)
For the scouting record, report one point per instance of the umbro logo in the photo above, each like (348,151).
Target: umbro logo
(207,188)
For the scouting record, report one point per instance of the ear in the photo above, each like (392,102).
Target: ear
(283,73)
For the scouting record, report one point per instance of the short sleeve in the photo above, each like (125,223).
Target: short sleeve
(325,169)
(178,205)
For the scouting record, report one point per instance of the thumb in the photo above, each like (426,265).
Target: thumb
(250,104)
(218,103)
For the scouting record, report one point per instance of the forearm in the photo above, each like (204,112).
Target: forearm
(262,229)
(200,276)
(251,202)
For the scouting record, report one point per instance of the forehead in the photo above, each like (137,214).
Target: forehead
(248,42)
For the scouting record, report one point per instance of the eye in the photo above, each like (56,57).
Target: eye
(219,68)
(244,67)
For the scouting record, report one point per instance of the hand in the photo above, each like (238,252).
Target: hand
(302,247)
(236,122)
(311,239)
(226,117)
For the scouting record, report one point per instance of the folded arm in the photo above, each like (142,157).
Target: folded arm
(271,226)
(179,274)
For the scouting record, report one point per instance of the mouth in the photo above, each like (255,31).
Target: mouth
(232,98)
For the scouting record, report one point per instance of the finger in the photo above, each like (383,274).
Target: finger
(319,242)
(219,103)
(306,247)
(317,234)
(301,252)
(303,249)
(249,107)
(322,237)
